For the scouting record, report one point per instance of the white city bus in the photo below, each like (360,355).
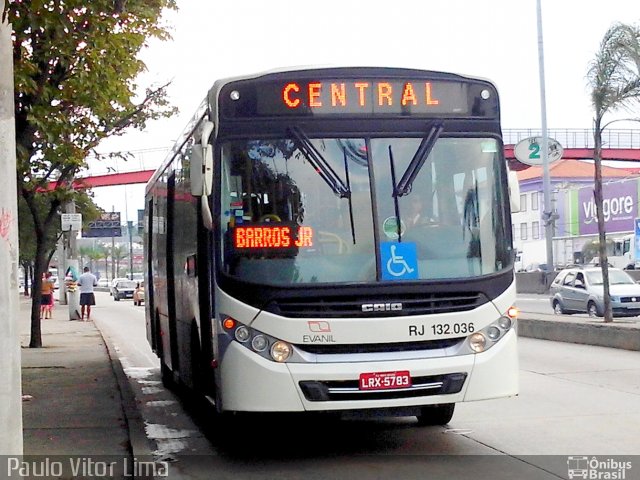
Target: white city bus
(336,240)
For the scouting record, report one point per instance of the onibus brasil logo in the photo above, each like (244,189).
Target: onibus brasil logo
(597,469)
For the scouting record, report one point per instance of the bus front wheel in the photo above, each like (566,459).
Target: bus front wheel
(436,414)
(167,376)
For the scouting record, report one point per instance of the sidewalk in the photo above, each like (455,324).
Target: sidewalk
(73,403)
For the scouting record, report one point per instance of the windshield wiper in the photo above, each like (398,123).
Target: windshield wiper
(404,185)
(394,194)
(346,174)
(319,163)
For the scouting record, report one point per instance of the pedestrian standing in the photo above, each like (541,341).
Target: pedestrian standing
(46,295)
(86,282)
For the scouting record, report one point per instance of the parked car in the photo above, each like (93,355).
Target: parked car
(138,294)
(123,289)
(103,283)
(580,290)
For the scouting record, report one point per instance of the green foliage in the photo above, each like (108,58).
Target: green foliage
(614,77)
(27,239)
(96,254)
(83,255)
(590,250)
(614,74)
(75,66)
(42,203)
(75,69)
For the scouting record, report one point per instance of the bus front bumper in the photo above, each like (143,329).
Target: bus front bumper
(251,383)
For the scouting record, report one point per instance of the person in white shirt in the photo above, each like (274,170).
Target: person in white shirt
(86,282)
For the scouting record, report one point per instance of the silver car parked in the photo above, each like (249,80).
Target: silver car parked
(580,290)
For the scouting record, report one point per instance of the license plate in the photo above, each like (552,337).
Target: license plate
(384,380)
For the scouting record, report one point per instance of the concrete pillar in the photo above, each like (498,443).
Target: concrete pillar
(71,262)
(10,360)
(73,294)
(62,268)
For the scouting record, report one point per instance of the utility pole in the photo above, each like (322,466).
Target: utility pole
(548,214)
(71,261)
(10,358)
(130,228)
(62,269)
(113,249)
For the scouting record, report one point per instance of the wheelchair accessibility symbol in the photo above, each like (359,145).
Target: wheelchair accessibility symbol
(399,261)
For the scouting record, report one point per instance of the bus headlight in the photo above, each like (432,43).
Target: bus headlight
(280,351)
(259,343)
(484,339)
(262,344)
(493,333)
(504,323)
(477,342)
(242,334)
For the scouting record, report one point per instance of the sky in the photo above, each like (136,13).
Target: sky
(493,39)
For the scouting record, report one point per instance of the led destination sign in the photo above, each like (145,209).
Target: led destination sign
(358,96)
(272,237)
(372,96)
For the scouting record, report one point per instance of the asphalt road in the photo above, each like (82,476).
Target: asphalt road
(532,303)
(575,400)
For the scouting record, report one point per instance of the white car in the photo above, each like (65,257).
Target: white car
(103,282)
(123,289)
(113,283)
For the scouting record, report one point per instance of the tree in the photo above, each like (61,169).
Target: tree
(105,252)
(118,253)
(29,243)
(94,255)
(614,78)
(83,254)
(591,250)
(75,65)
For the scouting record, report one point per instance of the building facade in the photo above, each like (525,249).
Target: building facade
(573,202)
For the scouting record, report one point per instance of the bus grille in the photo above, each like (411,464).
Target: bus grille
(348,390)
(351,306)
(321,349)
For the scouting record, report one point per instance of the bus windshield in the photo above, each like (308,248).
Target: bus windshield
(328,210)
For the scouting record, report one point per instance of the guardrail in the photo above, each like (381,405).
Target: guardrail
(539,282)
(577,138)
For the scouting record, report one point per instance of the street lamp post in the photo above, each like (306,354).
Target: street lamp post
(547,215)
(129,227)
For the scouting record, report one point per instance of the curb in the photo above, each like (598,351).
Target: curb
(598,334)
(140,446)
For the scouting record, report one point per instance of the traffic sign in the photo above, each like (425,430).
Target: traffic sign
(399,260)
(529,150)
(108,225)
(71,221)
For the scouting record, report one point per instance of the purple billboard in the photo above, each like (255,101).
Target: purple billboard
(619,207)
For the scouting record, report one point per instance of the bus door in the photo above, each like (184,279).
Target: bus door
(149,303)
(171,284)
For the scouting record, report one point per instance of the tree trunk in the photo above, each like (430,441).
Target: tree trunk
(26,272)
(598,197)
(40,266)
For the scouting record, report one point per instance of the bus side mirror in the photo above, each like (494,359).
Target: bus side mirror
(196,171)
(202,164)
(514,192)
